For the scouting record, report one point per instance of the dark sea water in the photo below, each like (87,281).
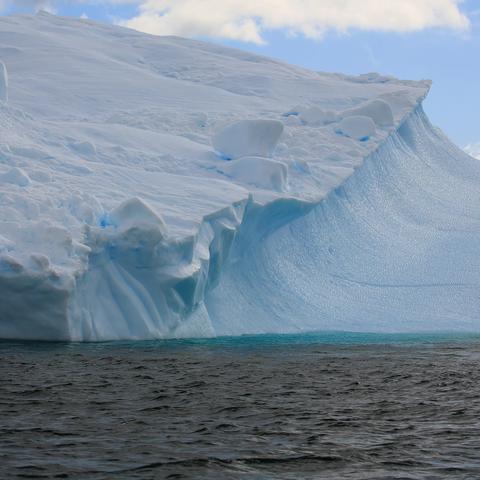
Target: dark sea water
(323,406)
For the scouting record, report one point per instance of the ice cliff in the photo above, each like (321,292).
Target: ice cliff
(155,187)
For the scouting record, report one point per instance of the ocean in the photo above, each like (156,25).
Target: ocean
(317,406)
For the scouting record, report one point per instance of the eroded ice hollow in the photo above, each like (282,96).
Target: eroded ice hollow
(157,187)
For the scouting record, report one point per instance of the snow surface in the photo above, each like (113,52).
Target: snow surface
(15,176)
(155,187)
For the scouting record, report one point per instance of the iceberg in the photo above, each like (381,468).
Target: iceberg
(473,149)
(159,187)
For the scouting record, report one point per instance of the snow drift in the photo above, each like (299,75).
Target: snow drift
(157,187)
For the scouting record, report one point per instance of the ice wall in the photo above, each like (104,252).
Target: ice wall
(393,249)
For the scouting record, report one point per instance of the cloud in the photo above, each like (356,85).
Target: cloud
(247,20)
(54,5)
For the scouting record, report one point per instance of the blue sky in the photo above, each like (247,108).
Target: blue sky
(446,54)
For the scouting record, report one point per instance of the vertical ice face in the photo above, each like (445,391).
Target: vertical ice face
(3,83)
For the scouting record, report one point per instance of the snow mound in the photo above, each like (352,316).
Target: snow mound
(317,116)
(259,171)
(3,83)
(378,110)
(86,149)
(357,127)
(16,176)
(248,138)
(135,220)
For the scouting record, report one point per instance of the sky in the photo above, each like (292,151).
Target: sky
(411,39)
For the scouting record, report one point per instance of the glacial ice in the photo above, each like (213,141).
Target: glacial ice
(154,187)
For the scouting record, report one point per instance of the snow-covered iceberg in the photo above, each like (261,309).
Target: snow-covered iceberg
(156,187)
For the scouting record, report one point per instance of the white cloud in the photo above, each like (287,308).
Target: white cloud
(246,20)
(51,5)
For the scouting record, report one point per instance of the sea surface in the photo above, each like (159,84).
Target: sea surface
(319,406)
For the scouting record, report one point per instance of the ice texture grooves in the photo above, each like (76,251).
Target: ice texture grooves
(125,215)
